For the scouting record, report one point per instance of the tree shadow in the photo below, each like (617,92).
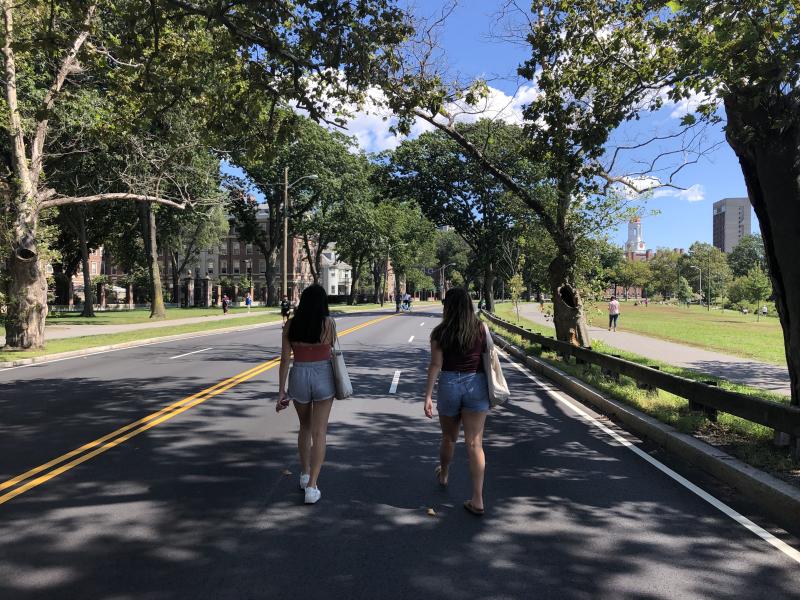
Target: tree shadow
(202,507)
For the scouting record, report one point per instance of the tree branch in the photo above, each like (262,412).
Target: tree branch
(506,179)
(69,200)
(67,66)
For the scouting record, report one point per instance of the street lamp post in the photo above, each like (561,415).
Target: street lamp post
(285,254)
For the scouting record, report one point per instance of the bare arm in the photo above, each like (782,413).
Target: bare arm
(434,368)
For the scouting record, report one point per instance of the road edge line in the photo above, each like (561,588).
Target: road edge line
(778,499)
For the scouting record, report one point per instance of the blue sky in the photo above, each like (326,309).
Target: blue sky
(683,217)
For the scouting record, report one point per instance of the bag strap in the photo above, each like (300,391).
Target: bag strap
(489,340)
(335,336)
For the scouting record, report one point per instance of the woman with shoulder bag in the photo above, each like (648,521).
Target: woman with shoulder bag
(457,346)
(310,334)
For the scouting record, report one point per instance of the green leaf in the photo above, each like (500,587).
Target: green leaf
(674,6)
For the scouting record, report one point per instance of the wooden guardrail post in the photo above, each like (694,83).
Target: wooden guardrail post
(648,387)
(710,413)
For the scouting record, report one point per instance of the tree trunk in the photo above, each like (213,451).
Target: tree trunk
(568,315)
(488,289)
(377,272)
(27,298)
(357,264)
(770,161)
(177,291)
(157,308)
(88,292)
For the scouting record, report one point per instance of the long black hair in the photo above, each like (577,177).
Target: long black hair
(306,325)
(459,327)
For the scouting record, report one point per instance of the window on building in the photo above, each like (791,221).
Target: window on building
(113,269)
(236,248)
(248,249)
(94,268)
(223,249)
(210,267)
(236,269)
(223,268)
(262,266)
(333,290)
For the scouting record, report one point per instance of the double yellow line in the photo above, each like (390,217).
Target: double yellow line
(47,471)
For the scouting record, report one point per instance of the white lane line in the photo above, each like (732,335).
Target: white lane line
(395,381)
(411,339)
(189,353)
(718,504)
(421,324)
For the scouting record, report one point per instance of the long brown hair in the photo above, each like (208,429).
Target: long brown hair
(460,327)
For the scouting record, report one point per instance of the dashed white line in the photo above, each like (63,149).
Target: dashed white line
(718,504)
(411,339)
(421,324)
(395,381)
(189,353)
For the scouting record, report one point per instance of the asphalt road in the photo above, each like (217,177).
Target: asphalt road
(196,501)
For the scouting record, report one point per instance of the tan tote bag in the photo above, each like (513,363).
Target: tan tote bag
(344,389)
(495,380)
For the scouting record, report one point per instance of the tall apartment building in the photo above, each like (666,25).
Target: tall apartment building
(731,222)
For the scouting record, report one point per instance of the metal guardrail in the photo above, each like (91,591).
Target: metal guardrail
(709,398)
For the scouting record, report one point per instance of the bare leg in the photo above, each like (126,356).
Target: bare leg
(450,428)
(473,438)
(304,436)
(319,429)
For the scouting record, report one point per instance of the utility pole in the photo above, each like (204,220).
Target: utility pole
(285,253)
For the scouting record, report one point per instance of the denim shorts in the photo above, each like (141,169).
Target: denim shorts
(309,381)
(462,391)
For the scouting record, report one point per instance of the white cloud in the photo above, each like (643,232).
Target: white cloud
(694,193)
(371,122)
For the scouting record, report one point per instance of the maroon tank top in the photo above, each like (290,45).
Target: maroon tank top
(468,362)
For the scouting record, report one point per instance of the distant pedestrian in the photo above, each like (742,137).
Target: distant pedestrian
(285,309)
(645,301)
(463,397)
(225,304)
(480,304)
(764,310)
(541,303)
(613,313)
(310,335)
(248,301)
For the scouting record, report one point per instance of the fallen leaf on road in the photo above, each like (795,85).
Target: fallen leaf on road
(431,512)
(287,472)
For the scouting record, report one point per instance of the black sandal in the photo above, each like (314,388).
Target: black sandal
(478,512)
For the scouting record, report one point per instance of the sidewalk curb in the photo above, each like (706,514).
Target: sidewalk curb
(147,342)
(777,498)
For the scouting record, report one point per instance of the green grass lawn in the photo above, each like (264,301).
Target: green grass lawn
(748,441)
(139,315)
(726,331)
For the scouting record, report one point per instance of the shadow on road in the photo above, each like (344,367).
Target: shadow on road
(201,507)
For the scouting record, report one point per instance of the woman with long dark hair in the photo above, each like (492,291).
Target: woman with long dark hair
(457,344)
(310,335)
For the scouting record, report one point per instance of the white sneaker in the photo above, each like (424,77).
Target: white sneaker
(313,495)
(304,477)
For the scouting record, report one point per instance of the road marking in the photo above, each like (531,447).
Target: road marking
(713,501)
(123,434)
(421,324)
(190,353)
(411,339)
(395,381)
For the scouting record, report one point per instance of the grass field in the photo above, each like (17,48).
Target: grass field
(748,441)
(729,332)
(140,315)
